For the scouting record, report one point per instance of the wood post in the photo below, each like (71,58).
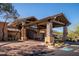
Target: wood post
(23,32)
(49,38)
(65,32)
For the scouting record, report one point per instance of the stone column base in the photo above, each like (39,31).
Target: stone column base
(23,39)
(49,41)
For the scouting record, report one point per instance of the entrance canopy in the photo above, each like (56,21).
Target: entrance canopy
(58,20)
(47,23)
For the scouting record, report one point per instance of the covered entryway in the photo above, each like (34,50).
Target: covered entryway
(47,24)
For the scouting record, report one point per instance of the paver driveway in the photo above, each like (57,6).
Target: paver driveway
(34,48)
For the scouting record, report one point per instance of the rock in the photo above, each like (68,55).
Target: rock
(13,53)
(51,47)
(77,50)
(26,53)
(7,48)
(2,54)
(3,49)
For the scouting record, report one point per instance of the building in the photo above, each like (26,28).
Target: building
(3,27)
(33,28)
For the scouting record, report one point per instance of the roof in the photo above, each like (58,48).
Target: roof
(59,17)
(58,20)
(28,19)
(19,20)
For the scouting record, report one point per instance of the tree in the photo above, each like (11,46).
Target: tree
(71,34)
(74,34)
(8,11)
(77,30)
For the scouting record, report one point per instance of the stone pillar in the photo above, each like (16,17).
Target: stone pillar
(65,32)
(23,32)
(49,38)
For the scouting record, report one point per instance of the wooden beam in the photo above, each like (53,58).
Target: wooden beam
(36,22)
(54,21)
(44,22)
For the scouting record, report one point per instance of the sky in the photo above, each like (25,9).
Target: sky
(42,10)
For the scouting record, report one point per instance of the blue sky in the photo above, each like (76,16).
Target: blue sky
(71,11)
